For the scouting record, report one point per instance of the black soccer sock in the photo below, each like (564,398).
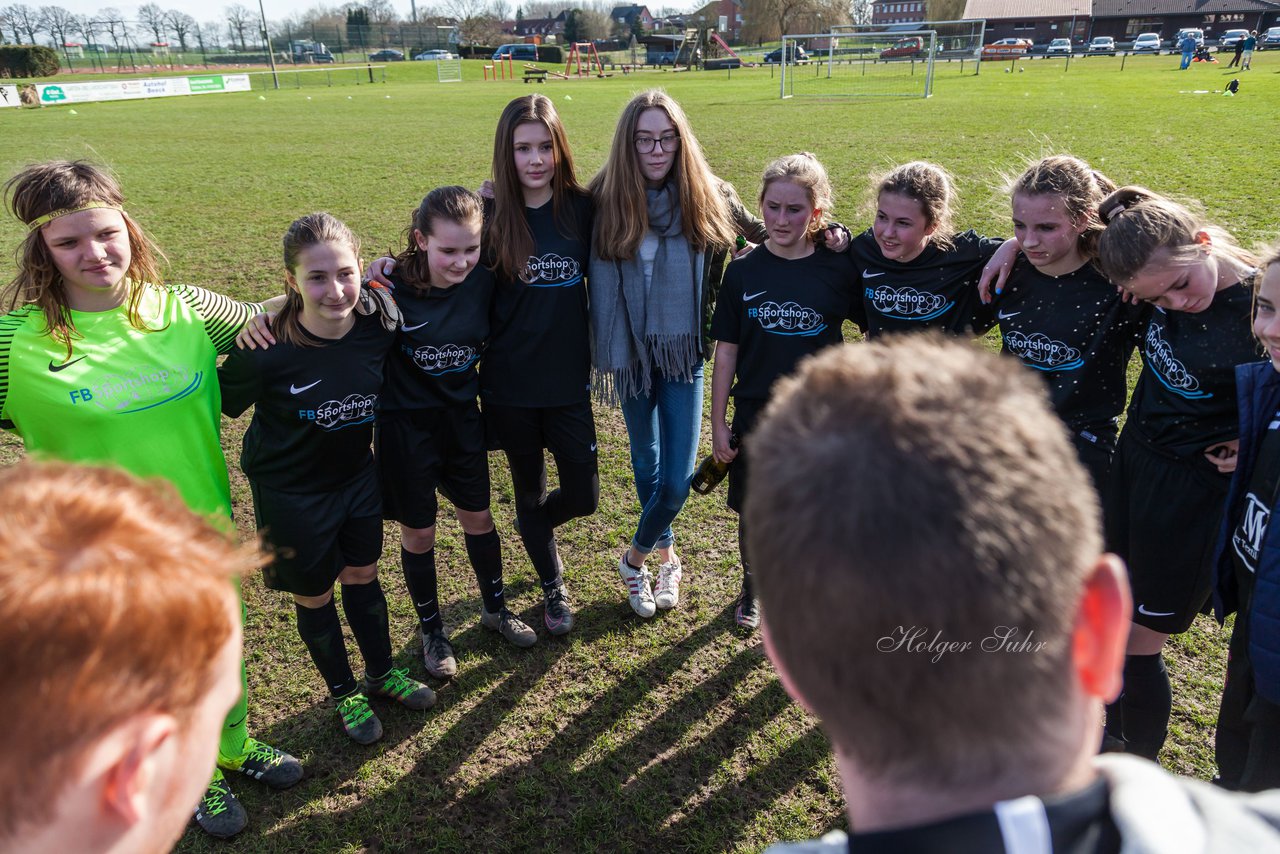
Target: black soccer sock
(748,589)
(1147,701)
(366,608)
(485,552)
(420,578)
(322,633)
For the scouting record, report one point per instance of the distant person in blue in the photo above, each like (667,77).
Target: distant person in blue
(1188,46)
(1250,42)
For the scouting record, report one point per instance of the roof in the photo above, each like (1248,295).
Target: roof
(1157,8)
(621,13)
(1027,9)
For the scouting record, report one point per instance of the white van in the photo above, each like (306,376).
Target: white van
(518,52)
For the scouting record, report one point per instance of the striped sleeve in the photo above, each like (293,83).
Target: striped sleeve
(9,326)
(223,317)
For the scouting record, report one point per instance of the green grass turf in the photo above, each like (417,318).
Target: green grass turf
(670,734)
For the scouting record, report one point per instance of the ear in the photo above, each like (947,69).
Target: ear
(144,746)
(780,668)
(1204,241)
(420,239)
(290,281)
(1102,629)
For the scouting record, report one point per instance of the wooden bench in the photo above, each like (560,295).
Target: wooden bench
(536,74)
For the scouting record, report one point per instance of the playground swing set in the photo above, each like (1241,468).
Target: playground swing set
(584,61)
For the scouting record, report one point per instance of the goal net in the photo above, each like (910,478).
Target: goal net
(836,64)
(449,71)
(959,42)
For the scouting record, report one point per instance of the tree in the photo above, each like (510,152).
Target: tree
(238,20)
(519,14)
(595,24)
(358,26)
(59,23)
(153,18)
(501,9)
(860,11)
(381,11)
(111,19)
(23,19)
(182,24)
(573,27)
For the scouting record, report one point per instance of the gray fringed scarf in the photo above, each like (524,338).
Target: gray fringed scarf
(634,332)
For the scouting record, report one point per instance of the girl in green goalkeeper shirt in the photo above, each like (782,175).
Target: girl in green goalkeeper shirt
(101,363)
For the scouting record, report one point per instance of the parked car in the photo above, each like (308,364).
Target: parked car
(903,48)
(386,55)
(1006,49)
(429,55)
(1059,46)
(322,57)
(1270,39)
(518,52)
(1195,33)
(1147,42)
(796,55)
(1230,37)
(1103,44)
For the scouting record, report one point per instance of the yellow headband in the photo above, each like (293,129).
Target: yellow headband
(52,215)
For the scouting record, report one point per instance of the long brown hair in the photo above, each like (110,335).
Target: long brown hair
(43,188)
(511,250)
(1079,186)
(1138,222)
(310,230)
(622,211)
(454,204)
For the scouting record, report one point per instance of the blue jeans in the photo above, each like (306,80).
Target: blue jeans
(664,428)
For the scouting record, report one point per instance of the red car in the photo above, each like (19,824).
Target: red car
(1006,49)
(903,48)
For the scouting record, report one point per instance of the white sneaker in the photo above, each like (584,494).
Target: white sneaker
(639,593)
(667,593)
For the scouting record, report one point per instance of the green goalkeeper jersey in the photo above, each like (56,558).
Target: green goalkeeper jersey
(144,400)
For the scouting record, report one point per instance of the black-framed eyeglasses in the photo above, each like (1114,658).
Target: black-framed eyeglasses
(645,144)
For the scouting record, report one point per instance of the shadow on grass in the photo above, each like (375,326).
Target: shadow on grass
(572,794)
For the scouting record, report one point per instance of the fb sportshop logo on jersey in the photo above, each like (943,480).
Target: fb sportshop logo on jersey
(1041,352)
(1247,538)
(1171,373)
(448,359)
(907,303)
(552,271)
(334,414)
(139,389)
(787,319)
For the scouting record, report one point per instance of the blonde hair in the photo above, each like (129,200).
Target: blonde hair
(304,232)
(622,210)
(1137,222)
(806,172)
(931,186)
(452,204)
(43,188)
(1078,185)
(115,599)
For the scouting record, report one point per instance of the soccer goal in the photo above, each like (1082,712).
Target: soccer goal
(839,65)
(449,71)
(959,42)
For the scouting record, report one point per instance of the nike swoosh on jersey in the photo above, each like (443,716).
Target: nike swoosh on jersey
(411,328)
(55,368)
(1005,315)
(867,275)
(1142,609)
(746,298)
(293,389)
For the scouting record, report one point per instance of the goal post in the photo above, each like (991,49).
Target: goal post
(449,71)
(842,64)
(959,41)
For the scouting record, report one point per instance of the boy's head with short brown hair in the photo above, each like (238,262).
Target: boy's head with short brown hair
(921,533)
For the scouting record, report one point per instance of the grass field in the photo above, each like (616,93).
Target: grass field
(670,734)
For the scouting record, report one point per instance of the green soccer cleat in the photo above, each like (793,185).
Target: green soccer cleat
(263,762)
(358,720)
(219,813)
(399,686)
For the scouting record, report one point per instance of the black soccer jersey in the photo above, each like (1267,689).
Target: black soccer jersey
(1077,333)
(313,424)
(1255,515)
(539,350)
(778,311)
(439,343)
(938,289)
(1185,399)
